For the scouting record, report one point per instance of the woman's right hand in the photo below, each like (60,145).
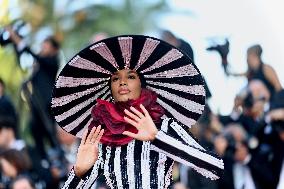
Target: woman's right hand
(88,150)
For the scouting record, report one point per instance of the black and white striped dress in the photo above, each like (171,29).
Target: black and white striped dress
(148,165)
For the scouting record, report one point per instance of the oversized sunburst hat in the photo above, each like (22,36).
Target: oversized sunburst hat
(166,70)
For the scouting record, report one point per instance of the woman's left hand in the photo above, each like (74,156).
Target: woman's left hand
(143,122)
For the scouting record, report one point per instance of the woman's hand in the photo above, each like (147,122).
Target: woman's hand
(88,151)
(143,122)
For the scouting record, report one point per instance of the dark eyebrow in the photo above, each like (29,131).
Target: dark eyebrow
(131,71)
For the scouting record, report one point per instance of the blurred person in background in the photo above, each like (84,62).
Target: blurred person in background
(13,164)
(206,129)
(22,182)
(257,69)
(169,37)
(41,170)
(275,119)
(7,108)
(8,138)
(38,89)
(69,144)
(245,168)
(249,108)
(98,37)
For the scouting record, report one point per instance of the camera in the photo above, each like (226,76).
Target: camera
(5,36)
(222,49)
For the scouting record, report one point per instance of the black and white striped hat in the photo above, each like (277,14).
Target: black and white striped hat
(167,71)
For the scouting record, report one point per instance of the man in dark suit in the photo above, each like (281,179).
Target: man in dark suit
(244,168)
(276,118)
(38,89)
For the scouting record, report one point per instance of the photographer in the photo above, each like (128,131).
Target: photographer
(244,168)
(39,87)
(249,110)
(275,118)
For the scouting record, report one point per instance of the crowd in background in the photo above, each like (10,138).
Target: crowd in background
(250,139)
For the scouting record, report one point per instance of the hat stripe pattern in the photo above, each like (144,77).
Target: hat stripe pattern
(75,82)
(195,89)
(78,107)
(184,71)
(86,65)
(77,121)
(104,51)
(178,116)
(80,132)
(171,56)
(166,70)
(68,98)
(126,48)
(187,104)
(148,48)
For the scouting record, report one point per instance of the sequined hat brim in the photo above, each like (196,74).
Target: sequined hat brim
(167,71)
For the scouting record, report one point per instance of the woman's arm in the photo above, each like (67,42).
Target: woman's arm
(271,75)
(89,155)
(174,141)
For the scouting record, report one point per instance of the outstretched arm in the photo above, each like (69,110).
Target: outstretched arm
(22,46)
(89,157)
(174,141)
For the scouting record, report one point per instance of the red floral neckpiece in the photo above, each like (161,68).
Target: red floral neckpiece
(110,116)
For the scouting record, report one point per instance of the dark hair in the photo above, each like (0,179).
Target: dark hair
(167,33)
(255,49)
(55,44)
(18,159)
(7,122)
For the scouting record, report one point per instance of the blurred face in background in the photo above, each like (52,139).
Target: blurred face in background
(22,184)
(253,60)
(125,85)
(8,169)
(47,49)
(260,95)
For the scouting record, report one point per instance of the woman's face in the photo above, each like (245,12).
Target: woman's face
(125,85)
(253,60)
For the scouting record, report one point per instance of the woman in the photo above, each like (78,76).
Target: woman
(257,70)
(146,94)
(14,163)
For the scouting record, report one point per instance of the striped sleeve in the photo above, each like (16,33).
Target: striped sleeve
(75,182)
(174,141)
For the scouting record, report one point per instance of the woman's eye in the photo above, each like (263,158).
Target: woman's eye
(114,79)
(132,77)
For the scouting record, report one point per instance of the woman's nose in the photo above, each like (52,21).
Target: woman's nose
(123,82)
